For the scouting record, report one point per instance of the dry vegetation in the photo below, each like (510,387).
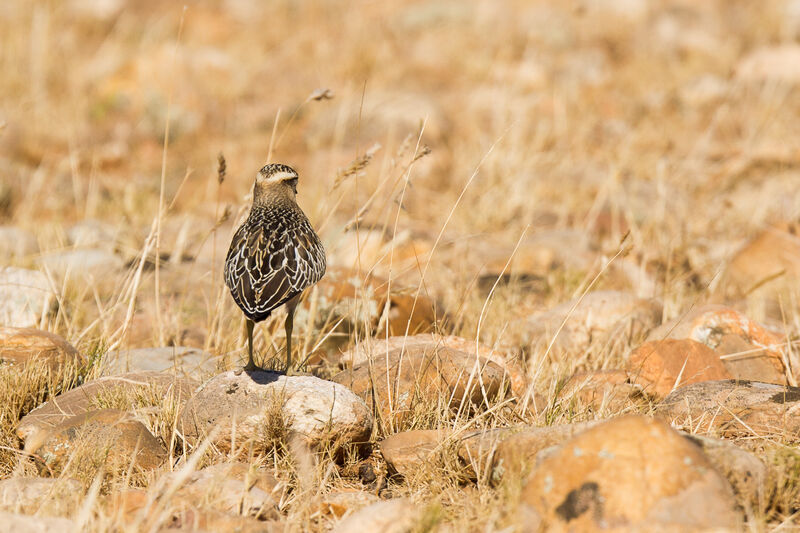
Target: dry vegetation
(450,135)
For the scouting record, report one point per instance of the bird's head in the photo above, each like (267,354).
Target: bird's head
(275,178)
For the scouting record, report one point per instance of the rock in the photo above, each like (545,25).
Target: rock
(90,263)
(602,391)
(92,233)
(390,516)
(420,376)
(744,360)
(709,324)
(662,366)
(106,438)
(779,64)
(53,497)
(338,503)
(766,267)
(599,315)
(91,395)
(768,261)
(21,346)
(731,408)
(19,523)
(176,360)
(378,347)
(512,450)
(316,410)
(25,297)
(230,488)
(16,242)
(406,452)
(746,473)
(598,480)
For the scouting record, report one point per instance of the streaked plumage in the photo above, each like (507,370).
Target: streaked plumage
(275,254)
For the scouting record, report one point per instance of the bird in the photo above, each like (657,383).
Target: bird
(274,255)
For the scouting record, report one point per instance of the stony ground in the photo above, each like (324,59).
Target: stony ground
(563,259)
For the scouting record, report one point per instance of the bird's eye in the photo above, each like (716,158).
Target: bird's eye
(293,184)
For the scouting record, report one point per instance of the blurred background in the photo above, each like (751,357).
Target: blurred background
(460,135)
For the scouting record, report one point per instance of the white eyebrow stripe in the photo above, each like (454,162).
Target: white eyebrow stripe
(281,176)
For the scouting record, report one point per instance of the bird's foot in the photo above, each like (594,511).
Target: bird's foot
(249,367)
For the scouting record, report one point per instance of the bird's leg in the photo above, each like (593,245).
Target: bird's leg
(289,324)
(291,305)
(251,365)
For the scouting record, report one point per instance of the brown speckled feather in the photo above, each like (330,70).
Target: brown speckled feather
(274,256)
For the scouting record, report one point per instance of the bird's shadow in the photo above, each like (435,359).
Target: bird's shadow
(264,377)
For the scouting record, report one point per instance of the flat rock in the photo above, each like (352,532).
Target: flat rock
(407,451)
(631,472)
(390,516)
(182,361)
(53,497)
(601,391)
(25,297)
(419,376)
(731,408)
(598,315)
(19,523)
(316,410)
(16,242)
(21,346)
(661,366)
(89,396)
(104,438)
(710,324)
(512,450)
(378,347)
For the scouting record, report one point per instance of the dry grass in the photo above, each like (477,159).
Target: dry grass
(463,128)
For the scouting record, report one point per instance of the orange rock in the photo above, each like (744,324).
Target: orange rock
(421,376)
(661,366)
(380,346)
(632,472)
(81,399)
(709,324)
(512,450)
(105,437)
(748,361)
(20,346)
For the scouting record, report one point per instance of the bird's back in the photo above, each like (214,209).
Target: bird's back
(274,255)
